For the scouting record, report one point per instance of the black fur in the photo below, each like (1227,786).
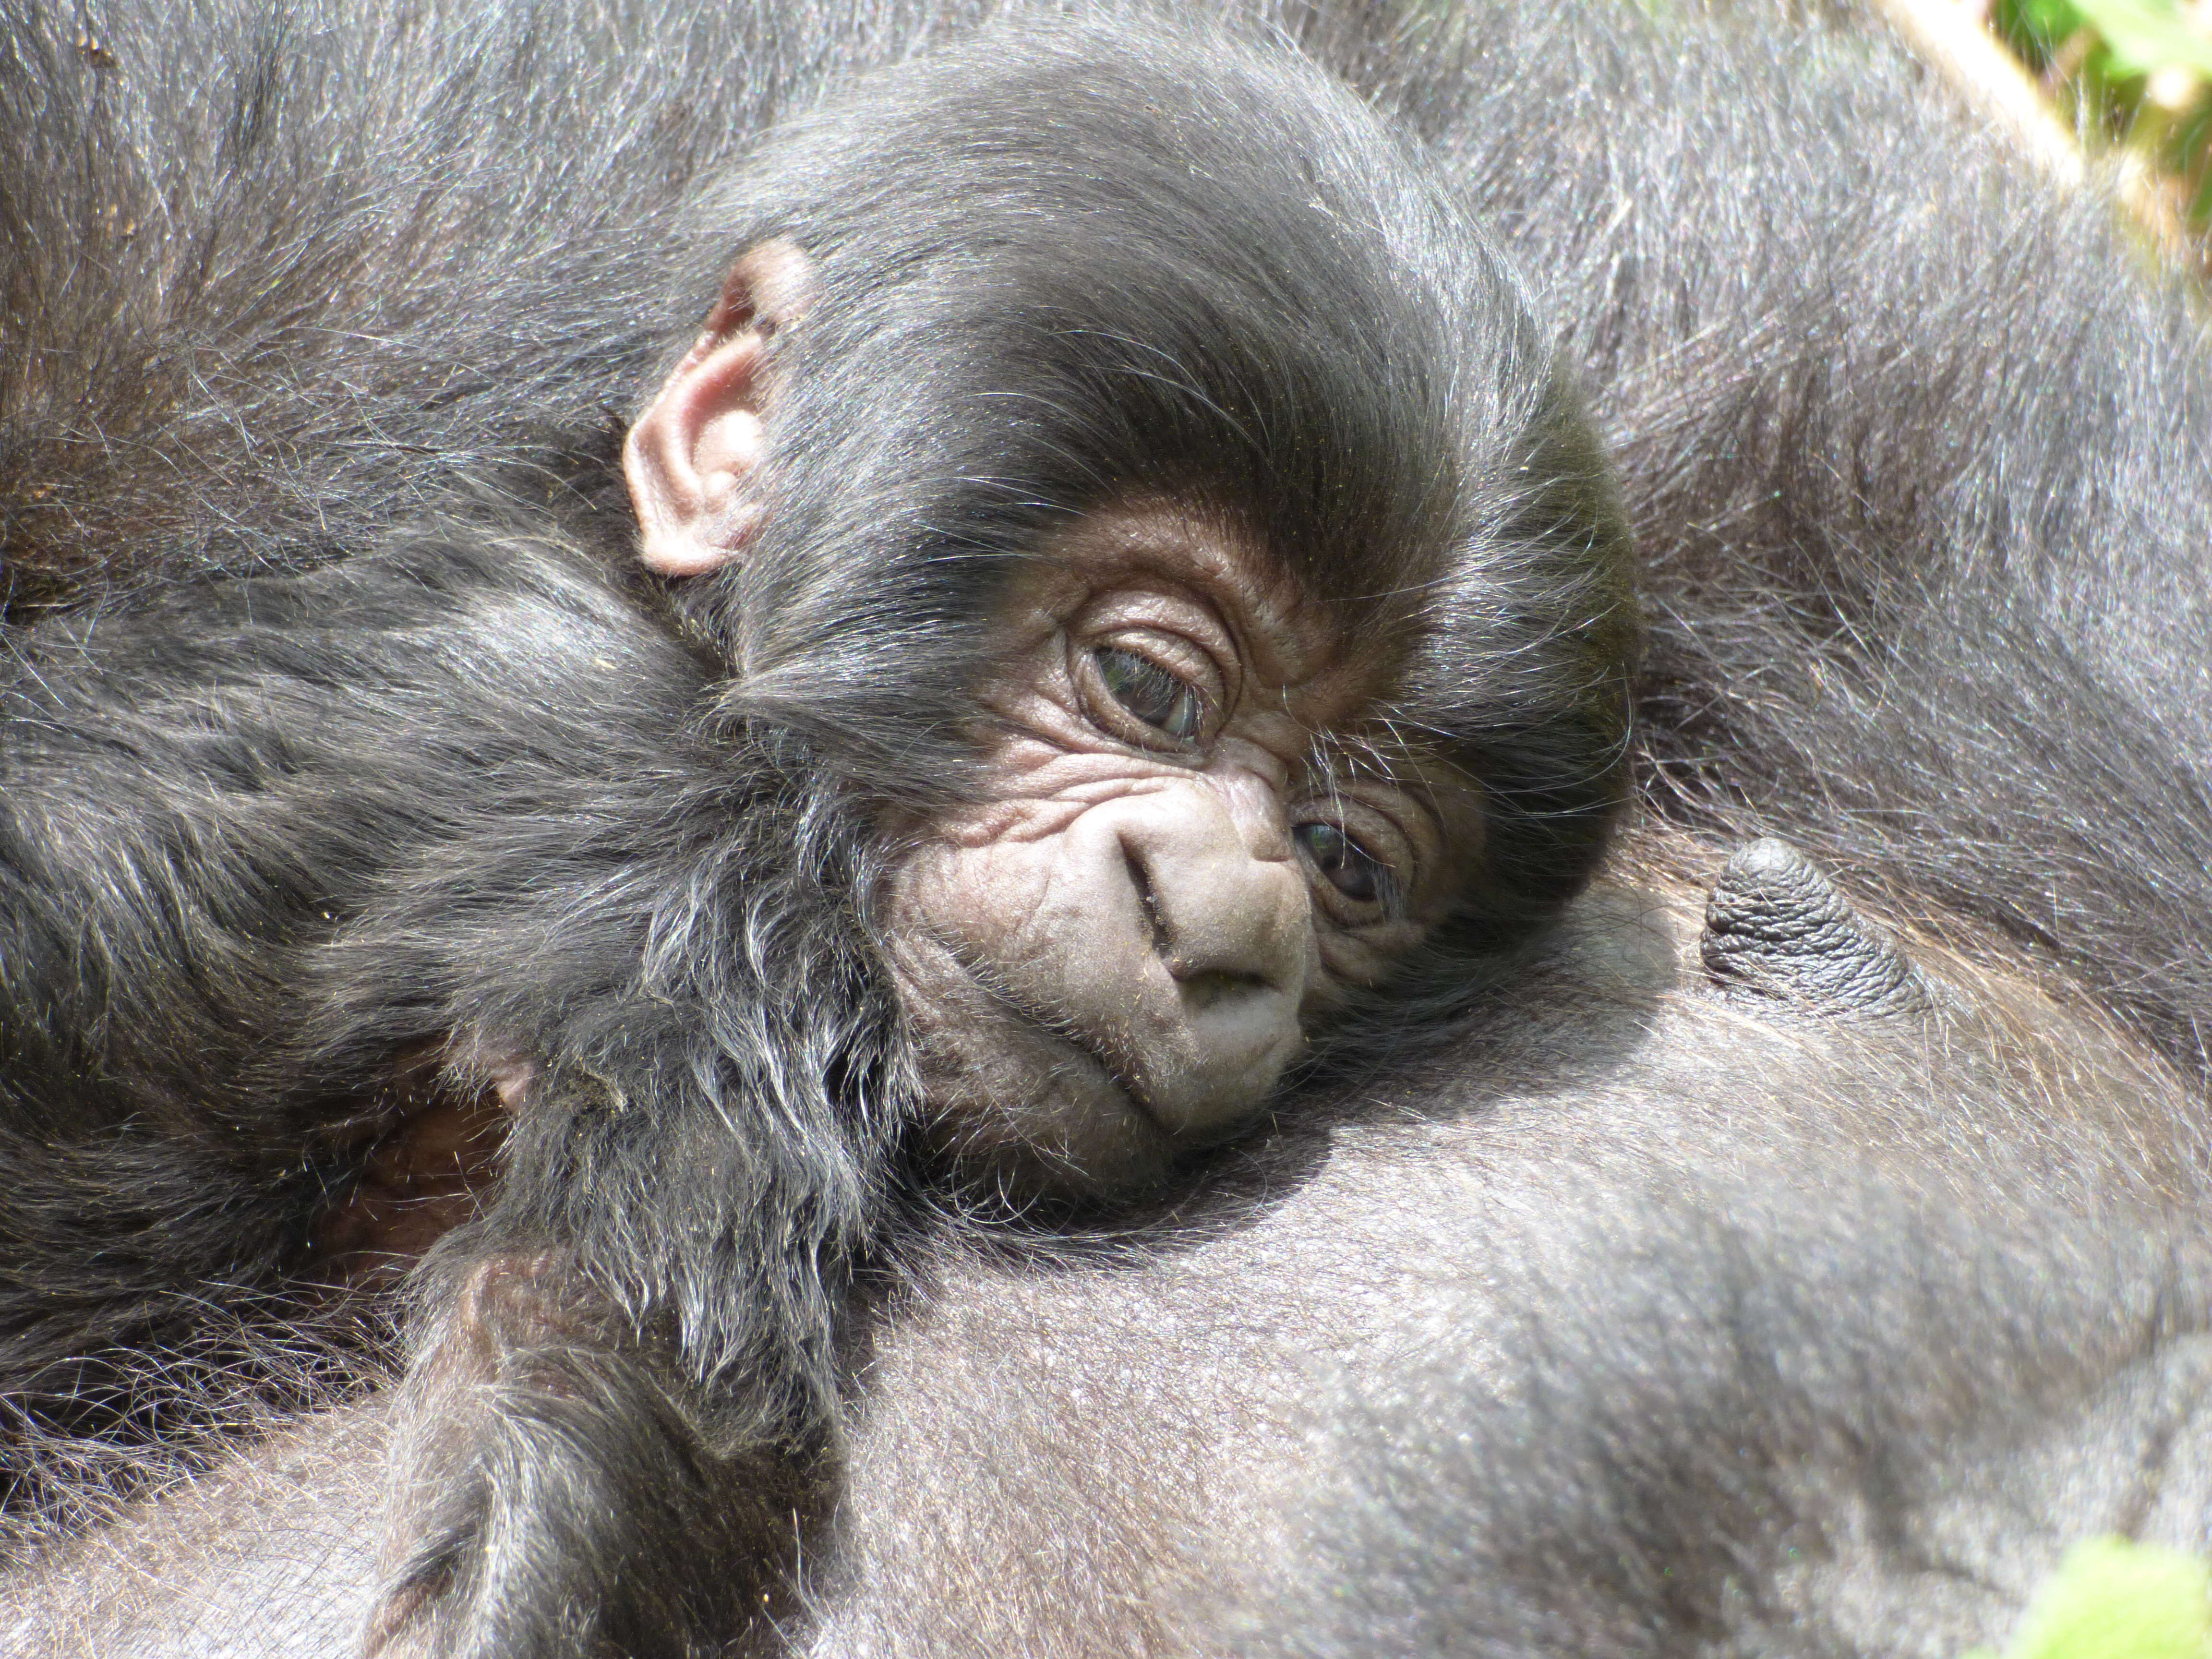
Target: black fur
(1914,446)
(1730,1419)
(467,794)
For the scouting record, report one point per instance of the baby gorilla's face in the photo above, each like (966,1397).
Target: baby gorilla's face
(1196,838)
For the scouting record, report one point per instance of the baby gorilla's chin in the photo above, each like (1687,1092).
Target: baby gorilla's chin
(1077,1131)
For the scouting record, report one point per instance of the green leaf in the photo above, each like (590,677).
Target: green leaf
(2051,20)
(2148,35)
(2110,1599)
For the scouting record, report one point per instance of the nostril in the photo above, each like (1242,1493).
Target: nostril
(1147,897)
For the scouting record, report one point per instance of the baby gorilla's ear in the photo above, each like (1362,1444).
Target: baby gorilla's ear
(690,456)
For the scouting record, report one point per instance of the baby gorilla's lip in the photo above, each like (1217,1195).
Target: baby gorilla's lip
(1056,1032)
(1085,1052)
(1059,1034)
(1181,1117)
(1244,1035)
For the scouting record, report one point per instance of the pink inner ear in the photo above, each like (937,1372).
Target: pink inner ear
(690,454)
(693,452)
(730,444)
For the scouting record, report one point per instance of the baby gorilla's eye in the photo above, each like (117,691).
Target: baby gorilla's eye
(1149,692)
(1350,868)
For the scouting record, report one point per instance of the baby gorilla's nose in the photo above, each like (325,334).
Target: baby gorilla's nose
(1231,924)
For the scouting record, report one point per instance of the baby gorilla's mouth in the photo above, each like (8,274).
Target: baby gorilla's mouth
(1204,992)
(1078,1091)
(1230,1043)
(1061,1031)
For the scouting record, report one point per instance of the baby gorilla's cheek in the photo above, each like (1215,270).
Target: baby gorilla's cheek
(1037,909)
(997,1032)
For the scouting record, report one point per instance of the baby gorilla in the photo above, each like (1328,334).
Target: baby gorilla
(1127,608)
(1167,881)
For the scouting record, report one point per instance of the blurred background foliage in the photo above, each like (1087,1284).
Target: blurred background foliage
(2137,73)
